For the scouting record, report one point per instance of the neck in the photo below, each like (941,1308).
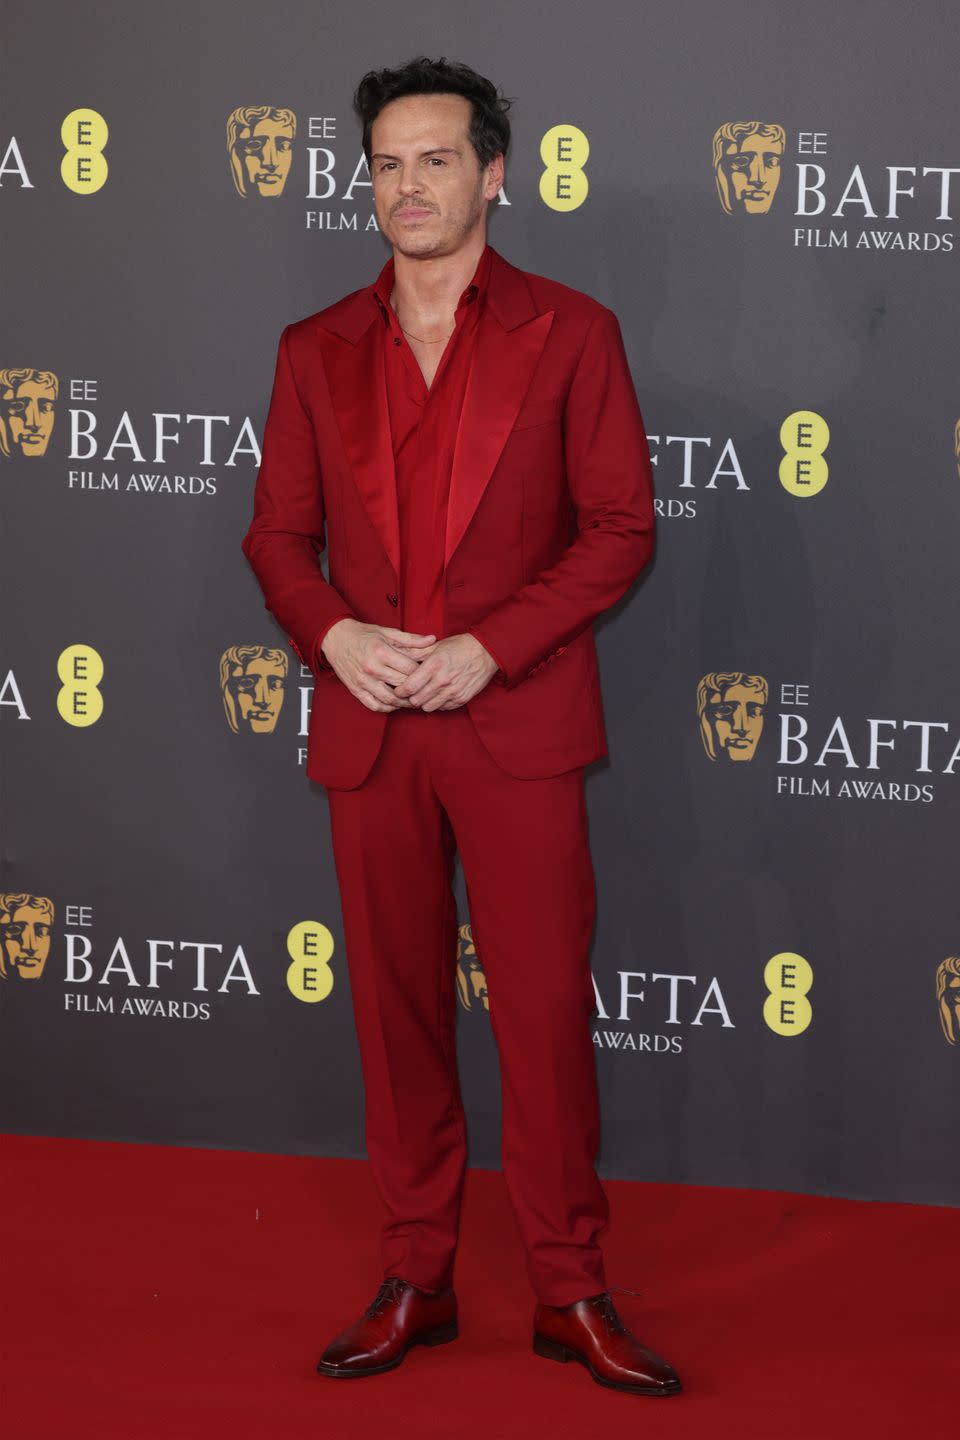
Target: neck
(427,288)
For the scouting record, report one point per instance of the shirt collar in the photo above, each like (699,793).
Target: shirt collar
(475,291)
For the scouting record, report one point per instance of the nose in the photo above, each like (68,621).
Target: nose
(408,184)
(757,172)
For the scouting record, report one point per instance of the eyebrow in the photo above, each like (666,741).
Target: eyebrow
(437,150)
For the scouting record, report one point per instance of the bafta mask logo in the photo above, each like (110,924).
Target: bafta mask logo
(260,146)
(747,155)
(730,709)
(471,981)
(26,923)
(251,682)
(27,399)
(948,998)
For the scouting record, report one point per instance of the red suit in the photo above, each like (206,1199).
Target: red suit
(511,499)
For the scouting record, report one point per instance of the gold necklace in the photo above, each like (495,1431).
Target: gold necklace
(418,338)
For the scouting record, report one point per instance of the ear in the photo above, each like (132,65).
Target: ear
(495,171)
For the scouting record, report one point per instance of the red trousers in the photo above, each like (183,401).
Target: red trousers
(524,848)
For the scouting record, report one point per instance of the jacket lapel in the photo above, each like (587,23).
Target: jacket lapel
(510,339)
(358,389)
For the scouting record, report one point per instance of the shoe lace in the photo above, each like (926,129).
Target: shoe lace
(612,1323)
(390,1290)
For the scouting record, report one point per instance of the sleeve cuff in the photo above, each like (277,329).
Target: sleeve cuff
(477,633)
(316,654)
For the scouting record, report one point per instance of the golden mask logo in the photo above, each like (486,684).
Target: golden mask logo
(260,145)
(251,683)
(948,998)
(26,923)
(27,411)
(747,156)
(471,981)
(730,709)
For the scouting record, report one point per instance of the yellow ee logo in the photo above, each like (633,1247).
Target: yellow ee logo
(83,168)
(564,150)
(786,1009)
(310,945)
(804,436)
(79,700)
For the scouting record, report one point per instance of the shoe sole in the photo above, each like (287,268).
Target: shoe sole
(553,1350)
(439,1335)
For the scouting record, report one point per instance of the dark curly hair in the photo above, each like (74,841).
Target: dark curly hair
(489,128)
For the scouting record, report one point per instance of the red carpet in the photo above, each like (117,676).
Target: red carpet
(158,1293)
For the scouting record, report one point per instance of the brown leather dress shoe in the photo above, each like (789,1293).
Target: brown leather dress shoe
(592,1332)
(399,1316)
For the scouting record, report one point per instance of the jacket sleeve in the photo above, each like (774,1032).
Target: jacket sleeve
(287,532)
(609,479)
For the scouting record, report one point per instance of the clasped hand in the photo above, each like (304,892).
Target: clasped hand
(389,669)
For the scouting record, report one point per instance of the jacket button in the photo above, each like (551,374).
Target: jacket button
(392,599)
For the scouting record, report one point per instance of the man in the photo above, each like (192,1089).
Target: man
(466,439)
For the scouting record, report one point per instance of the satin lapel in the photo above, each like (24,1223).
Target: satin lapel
(358,389)
(503,364)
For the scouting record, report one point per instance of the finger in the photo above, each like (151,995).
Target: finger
(380,691)
(405,637)
(396,668)
(412,685)
(437,700)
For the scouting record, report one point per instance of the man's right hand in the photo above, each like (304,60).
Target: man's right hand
(370,659)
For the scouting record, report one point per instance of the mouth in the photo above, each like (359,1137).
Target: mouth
(411,213)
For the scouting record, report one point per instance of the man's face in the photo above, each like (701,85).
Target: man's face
(258,692)
(752,170)
(27,942)
(30,417)
(429,191)
(267,152)
(737,720)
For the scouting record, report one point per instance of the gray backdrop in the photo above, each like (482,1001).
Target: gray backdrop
(148,836)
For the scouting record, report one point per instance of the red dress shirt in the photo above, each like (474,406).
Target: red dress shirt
(423,424)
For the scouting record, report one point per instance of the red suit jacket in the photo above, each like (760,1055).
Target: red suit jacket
(549,519)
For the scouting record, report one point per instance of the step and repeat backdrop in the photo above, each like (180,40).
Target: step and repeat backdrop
(768,196)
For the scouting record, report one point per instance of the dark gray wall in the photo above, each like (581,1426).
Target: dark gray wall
(165,291)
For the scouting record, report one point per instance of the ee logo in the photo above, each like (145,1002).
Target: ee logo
(310,946)
(804,436)
(79,700)
(563,184)
(83,168)
(786,1009)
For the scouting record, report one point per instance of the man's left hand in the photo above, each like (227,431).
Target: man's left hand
(450,673)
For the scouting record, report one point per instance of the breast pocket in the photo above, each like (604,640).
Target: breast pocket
(541,412)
